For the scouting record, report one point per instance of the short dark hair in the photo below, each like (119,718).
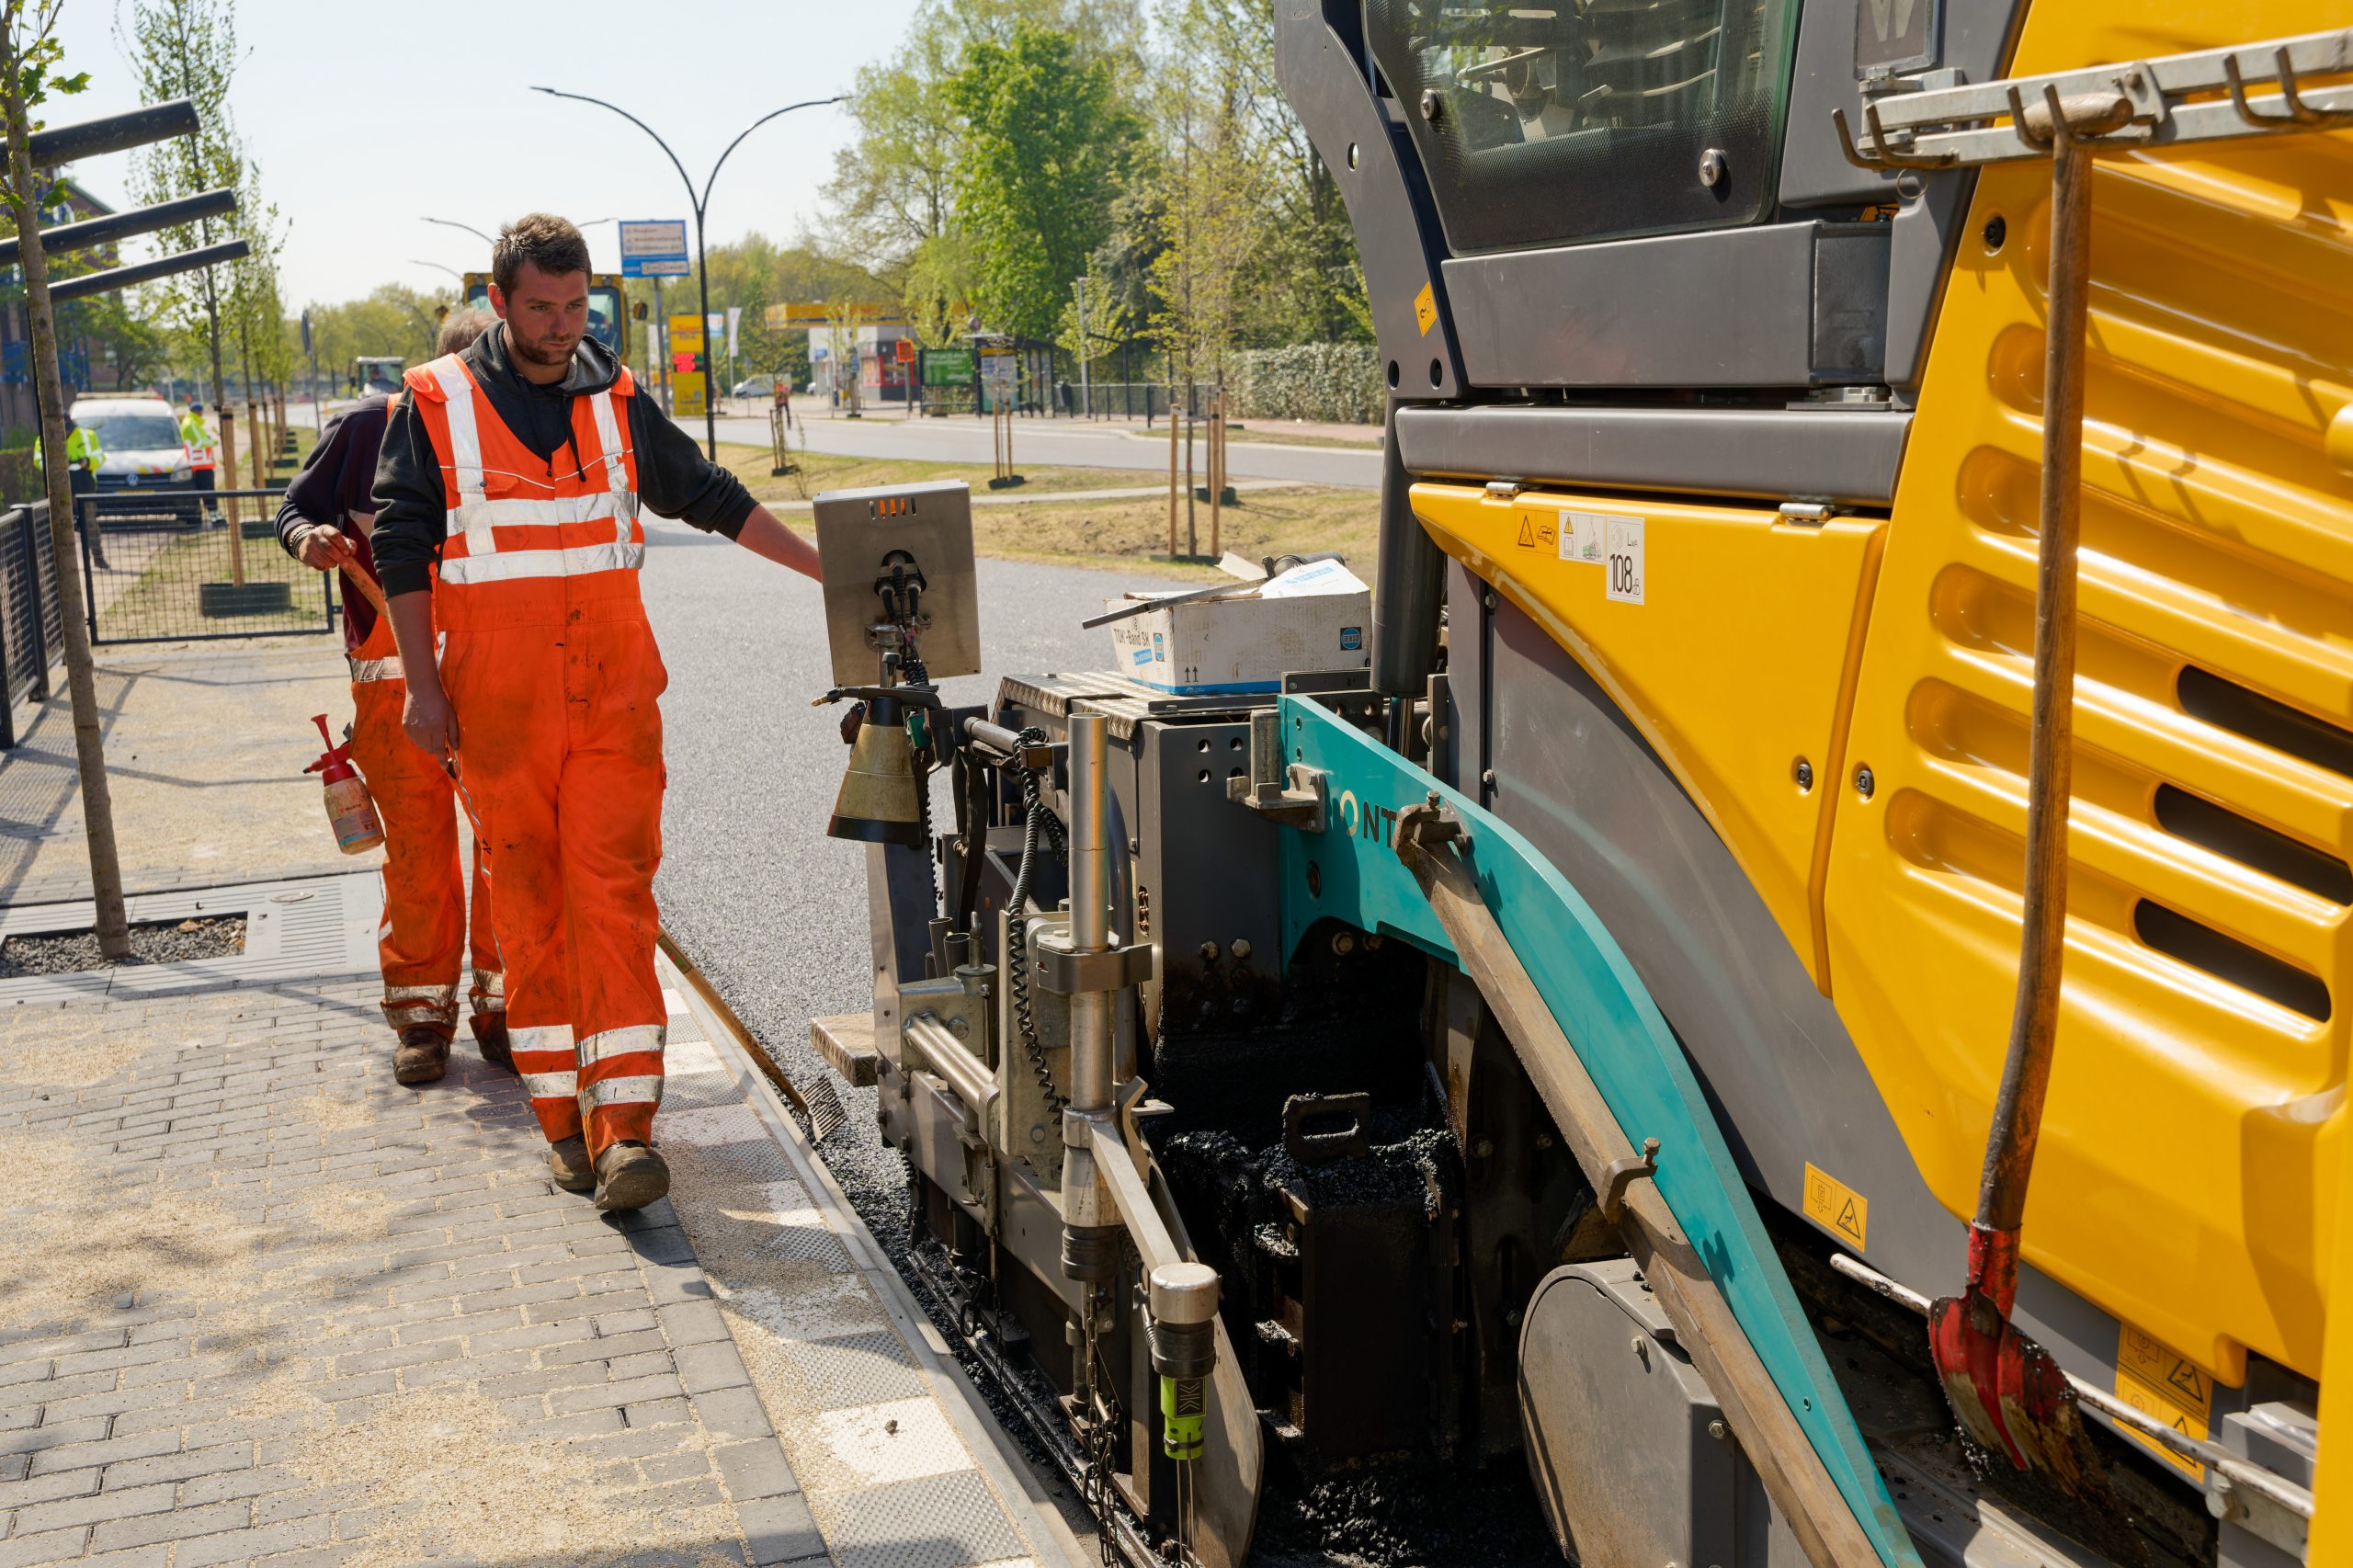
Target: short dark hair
(459,330)
(546,241)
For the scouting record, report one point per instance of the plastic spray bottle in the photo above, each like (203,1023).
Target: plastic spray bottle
(351,810)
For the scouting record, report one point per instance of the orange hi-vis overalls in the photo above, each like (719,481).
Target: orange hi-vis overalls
(551,670)
(422,937)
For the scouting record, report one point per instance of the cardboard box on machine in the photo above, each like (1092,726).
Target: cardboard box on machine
(1315,618)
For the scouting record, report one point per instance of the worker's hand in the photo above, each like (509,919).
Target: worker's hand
(430,722)
(323,547)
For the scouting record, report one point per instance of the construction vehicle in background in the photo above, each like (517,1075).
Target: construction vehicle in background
(608,308)
(1786,1001)
(377,375)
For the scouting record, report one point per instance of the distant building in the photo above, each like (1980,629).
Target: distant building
(70,203)
(880,375)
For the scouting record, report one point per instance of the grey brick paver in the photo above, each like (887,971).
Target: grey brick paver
(566,1401)
(179,1466)
(17,1493)
(22,1550)
(287,1536)
(93,1508)
(179,1524)
(76,1456)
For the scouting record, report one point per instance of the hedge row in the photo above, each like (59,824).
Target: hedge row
(1336,382)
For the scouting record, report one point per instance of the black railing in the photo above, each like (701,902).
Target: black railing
(158,566)
(32,626)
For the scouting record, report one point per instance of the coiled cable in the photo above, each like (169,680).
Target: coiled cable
(1036,818)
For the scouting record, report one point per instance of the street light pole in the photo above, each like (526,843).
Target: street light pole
(700,204)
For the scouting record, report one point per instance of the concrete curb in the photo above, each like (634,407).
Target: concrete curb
(1034,1516)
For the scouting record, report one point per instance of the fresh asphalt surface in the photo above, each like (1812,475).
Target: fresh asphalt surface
(1060,442)
(768,907)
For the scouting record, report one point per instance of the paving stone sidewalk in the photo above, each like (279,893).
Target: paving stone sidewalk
(260,1303)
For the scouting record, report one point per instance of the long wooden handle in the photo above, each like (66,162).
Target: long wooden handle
(368,587)
(1779,1449)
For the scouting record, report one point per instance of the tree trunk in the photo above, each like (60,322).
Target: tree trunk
(89,741)
(253,400)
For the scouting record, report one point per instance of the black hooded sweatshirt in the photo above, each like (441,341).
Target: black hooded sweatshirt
(674,479)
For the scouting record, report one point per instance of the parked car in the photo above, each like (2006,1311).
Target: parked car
(753,386)
(142,441)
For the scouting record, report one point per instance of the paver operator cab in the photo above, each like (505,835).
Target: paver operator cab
(1790,1002)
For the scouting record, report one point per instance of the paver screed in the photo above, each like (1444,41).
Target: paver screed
(259,1303)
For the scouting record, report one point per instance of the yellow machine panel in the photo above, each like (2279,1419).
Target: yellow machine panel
(2197,1106)
(1727,633)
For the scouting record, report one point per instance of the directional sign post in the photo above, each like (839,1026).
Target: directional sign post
(655,248)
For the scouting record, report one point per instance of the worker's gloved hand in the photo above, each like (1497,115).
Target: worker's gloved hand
(430,721)
(323,547)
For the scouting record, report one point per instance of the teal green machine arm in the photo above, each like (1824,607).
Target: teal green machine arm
(1351,872)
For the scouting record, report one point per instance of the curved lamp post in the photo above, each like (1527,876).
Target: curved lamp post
(699,203)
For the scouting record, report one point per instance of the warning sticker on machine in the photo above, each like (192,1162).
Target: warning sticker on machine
(1426,309)
(1536,530)
(1581,534)
(1622,559)
(2156,1379)
(1834,1205)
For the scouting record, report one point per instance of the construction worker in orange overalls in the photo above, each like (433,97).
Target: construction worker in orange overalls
(326,522)
(519,468)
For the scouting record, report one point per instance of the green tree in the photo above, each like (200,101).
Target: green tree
(1045,145)
(392,319)
(188,48)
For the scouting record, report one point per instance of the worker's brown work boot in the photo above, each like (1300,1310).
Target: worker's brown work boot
(490,1039)
(568,1163)
(630,1176)
(423,1056)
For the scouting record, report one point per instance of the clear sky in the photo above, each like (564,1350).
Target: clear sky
(367,118)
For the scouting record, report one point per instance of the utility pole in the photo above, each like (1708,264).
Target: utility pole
(701,203)
(660,337)
(1085,400)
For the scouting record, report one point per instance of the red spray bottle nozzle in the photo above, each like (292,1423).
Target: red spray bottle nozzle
(336,763)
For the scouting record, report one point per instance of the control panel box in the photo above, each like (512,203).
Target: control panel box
(924,532)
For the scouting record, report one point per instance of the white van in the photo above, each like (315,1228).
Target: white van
(142,437)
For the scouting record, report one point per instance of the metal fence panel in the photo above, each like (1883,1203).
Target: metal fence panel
(170,574)
(32,629)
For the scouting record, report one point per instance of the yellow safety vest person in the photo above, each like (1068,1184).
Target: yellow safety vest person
(197,439)
(85,448)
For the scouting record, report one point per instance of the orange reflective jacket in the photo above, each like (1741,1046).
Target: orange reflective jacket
(531,542)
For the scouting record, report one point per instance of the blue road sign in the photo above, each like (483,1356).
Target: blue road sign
(655,248)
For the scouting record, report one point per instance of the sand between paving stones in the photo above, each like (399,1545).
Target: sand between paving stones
(434,1470)
(72,1048)
(452,1473)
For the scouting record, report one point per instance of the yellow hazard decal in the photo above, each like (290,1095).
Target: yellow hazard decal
(1426,309)
(1538,530)
(1834,1206)
(2156,1379)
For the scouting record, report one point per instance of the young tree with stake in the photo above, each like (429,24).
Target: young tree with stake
(29,56)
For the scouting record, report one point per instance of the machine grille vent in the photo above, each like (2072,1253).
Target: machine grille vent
(2250,843)
(2226,958)
(2230,706)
